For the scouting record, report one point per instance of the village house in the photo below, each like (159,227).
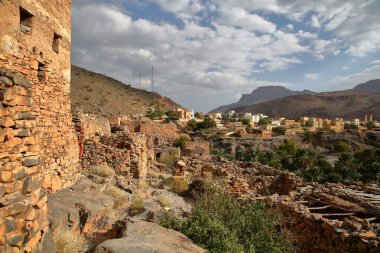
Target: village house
(214,116)
(183,114)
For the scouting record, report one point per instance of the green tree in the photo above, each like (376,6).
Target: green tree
(265,121)
(246,122)
(172,115)
(198,115)
(206,123)
(180,141)
(155,114)
(370,125)
(341,147)
(192,124)
(368,162)
(289,147)
(280,130)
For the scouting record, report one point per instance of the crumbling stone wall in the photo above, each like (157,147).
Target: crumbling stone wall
(23,210)
(130,154)
(196,148)
(161,134)
(38,147)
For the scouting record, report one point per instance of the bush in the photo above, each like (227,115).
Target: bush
(119,195)
(341,147)
(165,200)
(279,130)
(180,141)
(137,204)
(101,170)
(68,242)
(170,158)
(180,184)
(206,124)
(221,223)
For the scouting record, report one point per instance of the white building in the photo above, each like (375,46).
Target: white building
(256,117)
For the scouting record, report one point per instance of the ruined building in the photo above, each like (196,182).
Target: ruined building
(38,147)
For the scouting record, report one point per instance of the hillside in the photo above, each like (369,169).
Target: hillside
(348,104)
(103,95)
(261,94)
(371,86)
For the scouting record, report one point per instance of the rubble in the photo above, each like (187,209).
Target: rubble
(321,217)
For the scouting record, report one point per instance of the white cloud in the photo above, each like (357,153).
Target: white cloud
(241,18)
(312,76)
(357,78)
(375,62)
(219,45)
(345,68)
(315,22)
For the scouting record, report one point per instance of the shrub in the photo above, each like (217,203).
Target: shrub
(221,223)
(165,200)
(137,204)
(279,130)
(341,147)
(101,170)
(68,241)
(180,141)
(170,158)
(180,184)
(119,195)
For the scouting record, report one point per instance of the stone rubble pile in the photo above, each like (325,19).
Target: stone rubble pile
(321,217)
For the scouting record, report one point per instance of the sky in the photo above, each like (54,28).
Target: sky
(206,53)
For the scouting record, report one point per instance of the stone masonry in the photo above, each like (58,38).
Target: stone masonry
(38,146)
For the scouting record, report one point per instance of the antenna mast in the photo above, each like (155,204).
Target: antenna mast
(152,81)
(140,80)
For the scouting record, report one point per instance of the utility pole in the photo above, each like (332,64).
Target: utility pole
(152,81)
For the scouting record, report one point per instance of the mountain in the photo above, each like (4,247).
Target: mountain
(261,94)
(371,86)
(99,94)
(348,104)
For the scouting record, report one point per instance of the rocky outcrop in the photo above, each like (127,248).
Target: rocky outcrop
(146,237)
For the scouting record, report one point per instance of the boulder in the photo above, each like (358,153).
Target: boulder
(146,237)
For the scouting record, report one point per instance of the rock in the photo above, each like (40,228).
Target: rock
(181,163)
(368,235)
(67,203)
(47,244)
(153,208)
(146,237)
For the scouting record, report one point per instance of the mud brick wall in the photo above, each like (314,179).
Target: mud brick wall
(23,210)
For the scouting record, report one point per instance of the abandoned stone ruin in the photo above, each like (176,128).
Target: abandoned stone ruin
(47,149)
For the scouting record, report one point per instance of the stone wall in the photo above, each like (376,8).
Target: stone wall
(23,210)
(161,134)
(130,154)
(42,55)
(196,148)
(38,148)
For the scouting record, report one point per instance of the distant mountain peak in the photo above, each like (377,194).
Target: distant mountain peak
(261,94)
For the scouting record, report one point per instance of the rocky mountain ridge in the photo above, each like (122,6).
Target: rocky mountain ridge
(261,94)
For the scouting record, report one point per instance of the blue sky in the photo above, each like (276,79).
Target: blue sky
(206,53)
